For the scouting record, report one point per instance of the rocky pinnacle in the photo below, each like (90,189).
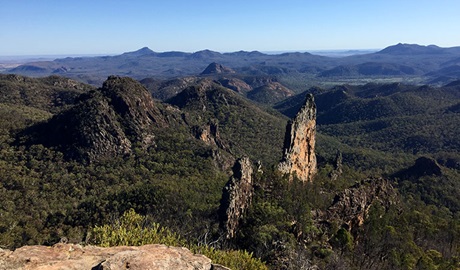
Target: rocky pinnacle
(236,197)
(299,143)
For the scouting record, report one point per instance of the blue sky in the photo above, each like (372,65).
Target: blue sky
(47,27)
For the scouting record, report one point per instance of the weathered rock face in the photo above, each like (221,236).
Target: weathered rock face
(210,135)
(104,123)
(236,197)
(350,207)
(221,153)
(69,256)
(299,143)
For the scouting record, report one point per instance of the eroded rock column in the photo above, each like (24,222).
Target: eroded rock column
(299,143)
(236,197)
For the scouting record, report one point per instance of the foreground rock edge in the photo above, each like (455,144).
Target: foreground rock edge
(74,256)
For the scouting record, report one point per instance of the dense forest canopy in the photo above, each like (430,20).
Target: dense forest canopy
(392,148)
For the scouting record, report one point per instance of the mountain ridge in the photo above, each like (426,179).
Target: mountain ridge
(401,60)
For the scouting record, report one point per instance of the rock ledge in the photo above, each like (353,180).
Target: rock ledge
(71,256)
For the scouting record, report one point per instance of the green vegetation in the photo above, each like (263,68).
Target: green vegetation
(135,230)
(247,128)
(379,129)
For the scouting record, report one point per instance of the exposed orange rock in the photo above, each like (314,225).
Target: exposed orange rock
(299,143)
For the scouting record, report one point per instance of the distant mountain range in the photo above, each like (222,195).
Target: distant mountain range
(432,63)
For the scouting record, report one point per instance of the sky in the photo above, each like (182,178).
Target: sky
(68,27)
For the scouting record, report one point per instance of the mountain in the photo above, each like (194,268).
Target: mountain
(262,89)
(235,84)
(165,89)
(205,54)
(141,52)
(104,123)
(411,49)
(51,93)
(407,61)
(25,101)
(247,129)
(270,93)
(215,68)
(246,54)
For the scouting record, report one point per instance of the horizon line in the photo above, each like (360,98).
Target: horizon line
(38,56)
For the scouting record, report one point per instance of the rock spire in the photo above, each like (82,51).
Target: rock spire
(299,143)
(236,197)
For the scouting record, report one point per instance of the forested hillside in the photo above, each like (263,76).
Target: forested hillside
(75,158)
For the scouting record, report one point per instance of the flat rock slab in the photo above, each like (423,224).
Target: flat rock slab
(70,256)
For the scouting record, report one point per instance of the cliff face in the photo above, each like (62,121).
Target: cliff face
(104,123)
(210,135)
(236,197)
(299,143)
(69,256)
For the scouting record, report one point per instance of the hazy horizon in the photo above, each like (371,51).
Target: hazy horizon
(319,52)
(112,27)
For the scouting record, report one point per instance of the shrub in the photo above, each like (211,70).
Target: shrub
(132,229)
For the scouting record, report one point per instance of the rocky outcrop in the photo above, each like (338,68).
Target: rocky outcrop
(338,167)
(210,135)
(215,68)
(220,153)
(350,207)
(236,197)
(299,143)
(69,256)
(104,123)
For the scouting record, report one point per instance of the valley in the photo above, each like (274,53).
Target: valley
(208,146)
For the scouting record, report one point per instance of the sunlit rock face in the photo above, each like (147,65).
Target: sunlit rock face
(299,143)
(73,257)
